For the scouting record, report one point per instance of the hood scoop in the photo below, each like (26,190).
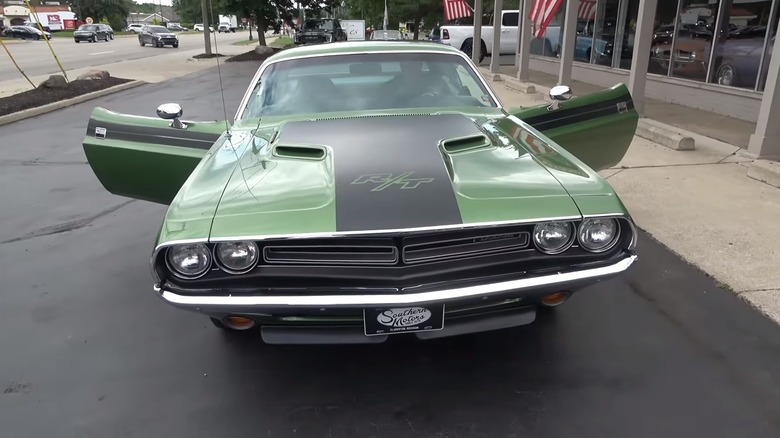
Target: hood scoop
(300,151)
(466,143)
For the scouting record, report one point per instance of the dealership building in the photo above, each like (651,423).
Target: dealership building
(714,55)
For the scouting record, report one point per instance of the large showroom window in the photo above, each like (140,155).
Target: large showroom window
(722,42)
(605,32)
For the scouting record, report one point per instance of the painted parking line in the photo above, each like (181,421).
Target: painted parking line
(102,53)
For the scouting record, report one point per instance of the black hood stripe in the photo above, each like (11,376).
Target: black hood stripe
(165,136)
(389,171)
(564,116)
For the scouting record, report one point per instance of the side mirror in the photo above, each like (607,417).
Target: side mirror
(558,94)
(171,111)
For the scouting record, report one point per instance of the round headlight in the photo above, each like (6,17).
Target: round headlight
(598,234)
(189,260)
(553,237)
(237,257)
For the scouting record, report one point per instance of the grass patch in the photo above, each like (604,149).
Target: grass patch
(283,41)
(245,42)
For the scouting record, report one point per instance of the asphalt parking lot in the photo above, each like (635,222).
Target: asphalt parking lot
(87,350)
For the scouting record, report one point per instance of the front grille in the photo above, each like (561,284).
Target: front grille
(439,248)
(414,249)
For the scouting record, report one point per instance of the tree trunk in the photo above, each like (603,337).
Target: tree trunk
(260,29)
(206,37)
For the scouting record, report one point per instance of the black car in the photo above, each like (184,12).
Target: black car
(25,33)
(158,36)
(92,33)
(319,31)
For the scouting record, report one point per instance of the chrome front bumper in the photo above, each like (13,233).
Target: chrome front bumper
(221,304)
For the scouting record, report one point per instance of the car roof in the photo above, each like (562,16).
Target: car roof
(356,47)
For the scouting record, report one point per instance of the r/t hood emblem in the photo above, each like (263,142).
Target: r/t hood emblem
(386,180)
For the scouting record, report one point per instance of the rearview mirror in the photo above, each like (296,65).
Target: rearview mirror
(171,111)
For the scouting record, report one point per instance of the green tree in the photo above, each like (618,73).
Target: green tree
(116,11)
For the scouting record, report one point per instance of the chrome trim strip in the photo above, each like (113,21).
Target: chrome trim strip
(202,302)
(359,51)
(341,260)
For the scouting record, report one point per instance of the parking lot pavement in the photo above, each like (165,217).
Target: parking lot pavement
(35,58)
(87,350)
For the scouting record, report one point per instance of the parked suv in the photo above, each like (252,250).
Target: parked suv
(320,30)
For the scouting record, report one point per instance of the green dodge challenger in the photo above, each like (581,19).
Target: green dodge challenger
(365,189)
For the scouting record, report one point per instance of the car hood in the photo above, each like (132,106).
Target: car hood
(384,173)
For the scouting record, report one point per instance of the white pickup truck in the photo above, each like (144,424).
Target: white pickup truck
(462,37)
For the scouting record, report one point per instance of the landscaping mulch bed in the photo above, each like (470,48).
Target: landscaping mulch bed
(42,96)
(205,56)
(251,56)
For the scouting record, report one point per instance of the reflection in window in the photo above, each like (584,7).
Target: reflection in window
(739,43)
(549,44)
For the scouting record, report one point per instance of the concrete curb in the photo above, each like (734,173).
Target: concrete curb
(54,106)
(664,135)
(765,171)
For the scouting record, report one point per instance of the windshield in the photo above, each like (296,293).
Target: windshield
(318,24)
(366,82)
(158,29)
(88,27)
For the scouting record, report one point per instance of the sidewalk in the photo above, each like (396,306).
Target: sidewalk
(150,69)
(698,203)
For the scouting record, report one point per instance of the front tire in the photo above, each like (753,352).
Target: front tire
(141,42)
(176,46)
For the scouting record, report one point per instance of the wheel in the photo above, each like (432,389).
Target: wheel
(77,41)
(37,37)
(106,39)
(141,42)
(176,45)
(111,36)
(93,39)
(468,47)
(727,74)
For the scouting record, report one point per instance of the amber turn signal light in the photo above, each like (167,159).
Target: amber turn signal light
(555,298)
(239,322)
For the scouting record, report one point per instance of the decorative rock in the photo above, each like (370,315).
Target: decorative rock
(263,50)
(54,81)
(94,75)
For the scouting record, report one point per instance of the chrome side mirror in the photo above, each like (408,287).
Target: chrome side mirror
(558,94)
(171,111)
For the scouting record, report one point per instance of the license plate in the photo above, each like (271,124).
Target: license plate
(390,321)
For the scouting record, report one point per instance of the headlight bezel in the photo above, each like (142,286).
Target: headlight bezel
(178,274)
(570,241)
(221,264)
(616,237)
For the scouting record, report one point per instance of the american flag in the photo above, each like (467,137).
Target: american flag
(542,12)
(456,9)
(587,10)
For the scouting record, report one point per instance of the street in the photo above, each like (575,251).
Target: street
(35,58)
(88,350)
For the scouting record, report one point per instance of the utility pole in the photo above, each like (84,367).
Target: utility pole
(204,5)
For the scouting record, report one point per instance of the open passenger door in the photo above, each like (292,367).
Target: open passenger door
(597,128)
(144,157)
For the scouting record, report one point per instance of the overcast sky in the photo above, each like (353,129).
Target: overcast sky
(157,2)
